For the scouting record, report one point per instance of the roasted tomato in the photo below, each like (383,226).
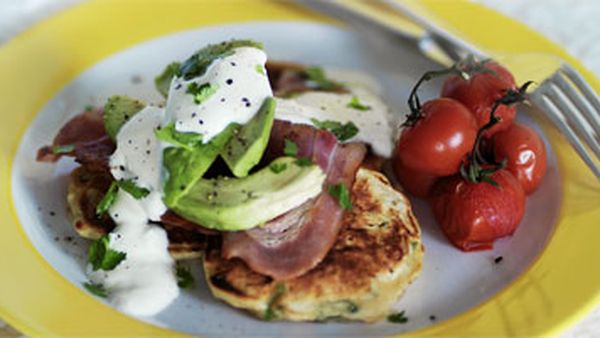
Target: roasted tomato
(439,139)
(473,215)
(415,182)
(481,90)
(525,154)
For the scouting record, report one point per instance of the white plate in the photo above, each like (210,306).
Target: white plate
(451,281)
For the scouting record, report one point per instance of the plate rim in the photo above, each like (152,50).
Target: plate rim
(29,319)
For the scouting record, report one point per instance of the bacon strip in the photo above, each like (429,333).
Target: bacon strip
(86,133)
(297,241)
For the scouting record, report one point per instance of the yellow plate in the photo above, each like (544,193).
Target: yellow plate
(563,284)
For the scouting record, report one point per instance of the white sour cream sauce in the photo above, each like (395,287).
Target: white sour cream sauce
(240,91)
(144,283)
(374,126)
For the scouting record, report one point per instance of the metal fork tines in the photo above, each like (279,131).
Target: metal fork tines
(574,108)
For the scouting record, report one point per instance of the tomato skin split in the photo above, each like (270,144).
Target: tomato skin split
(474,215)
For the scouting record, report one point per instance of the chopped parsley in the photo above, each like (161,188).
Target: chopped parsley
(341,193)
(278,167)
(260,69)
(100,256)
(63,149)
(109,198)
(397,318)
(89,107)
(184,277)
(270,312)
(170,135)
(303,162)
(133,189)
(413,245)
(343,132)
(316,75)
(201,92)
(290,148)
(97,290)
(355,104)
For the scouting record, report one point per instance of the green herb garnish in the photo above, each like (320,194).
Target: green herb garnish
(201,92)
(316,75)
(303,162)
(197,64)
(184,277)
(97,290)
(100,256)
(170,135)
(270,312)
(397,318)
(109,198)
(356,104)
(134,190)
(260,69)
(89,107)
(278,167)
(290,148)
(63,149)
(341,193)
(343,132)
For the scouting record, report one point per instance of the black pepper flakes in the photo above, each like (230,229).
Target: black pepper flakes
(229,81)
(178,86)
(194,115)
(52,213)
(122,168)
(148,152)
(432,318)
(200,121)
(248,104)
(222,99)
(498,259)
(232,63)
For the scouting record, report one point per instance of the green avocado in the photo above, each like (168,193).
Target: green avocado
(246,147)
(233,204)
(118,110)
(185,165)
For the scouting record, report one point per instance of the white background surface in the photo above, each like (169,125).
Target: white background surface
(573,24)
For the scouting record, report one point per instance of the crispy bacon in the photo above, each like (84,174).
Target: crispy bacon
(86,134)
(297,241)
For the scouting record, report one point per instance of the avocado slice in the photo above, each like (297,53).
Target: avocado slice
(245,149)
(233,204)
(117,111)
(186,165)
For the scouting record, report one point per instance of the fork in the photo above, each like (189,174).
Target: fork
(563,97)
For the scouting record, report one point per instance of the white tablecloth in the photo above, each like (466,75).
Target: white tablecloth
(573,24)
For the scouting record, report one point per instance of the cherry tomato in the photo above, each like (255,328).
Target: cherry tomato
(437,143)
(479,92)
(525,153)
(415,182)
(473,215)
